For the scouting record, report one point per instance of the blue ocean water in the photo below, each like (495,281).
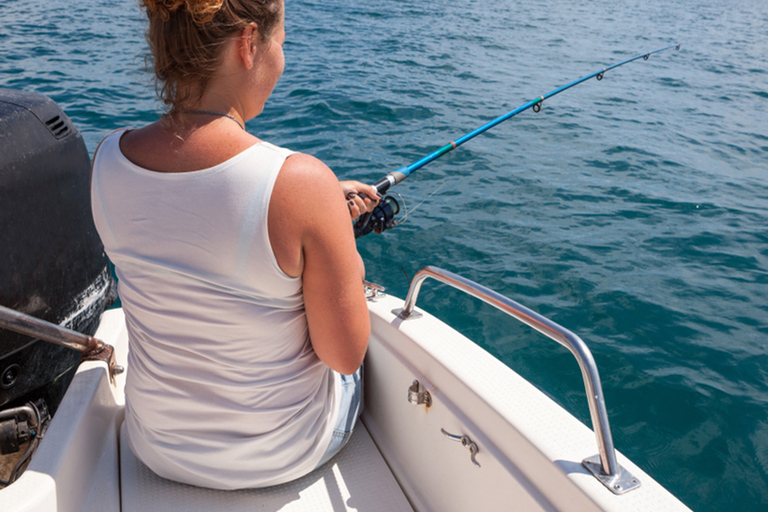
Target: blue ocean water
(632,211)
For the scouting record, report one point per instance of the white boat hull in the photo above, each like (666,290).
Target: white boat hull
(529,448)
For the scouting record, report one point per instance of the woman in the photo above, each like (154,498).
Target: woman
(245,309)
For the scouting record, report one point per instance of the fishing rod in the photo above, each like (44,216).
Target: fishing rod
(382,217)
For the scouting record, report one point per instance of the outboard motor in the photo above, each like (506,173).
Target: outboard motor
(52,262)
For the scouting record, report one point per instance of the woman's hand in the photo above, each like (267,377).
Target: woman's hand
(361,198)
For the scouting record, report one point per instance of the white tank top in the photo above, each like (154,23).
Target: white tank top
(223,387)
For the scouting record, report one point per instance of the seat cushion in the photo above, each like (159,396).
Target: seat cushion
(356,479)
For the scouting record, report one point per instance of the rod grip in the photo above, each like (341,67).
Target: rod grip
(383,184)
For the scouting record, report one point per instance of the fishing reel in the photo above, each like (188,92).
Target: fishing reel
(380,219)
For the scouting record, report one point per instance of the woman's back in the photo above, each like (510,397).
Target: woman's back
(221,362)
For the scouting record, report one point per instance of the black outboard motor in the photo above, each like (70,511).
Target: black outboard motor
(52,263)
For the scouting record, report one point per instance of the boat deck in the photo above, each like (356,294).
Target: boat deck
(356,479)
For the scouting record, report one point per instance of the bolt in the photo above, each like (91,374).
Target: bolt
(10,375)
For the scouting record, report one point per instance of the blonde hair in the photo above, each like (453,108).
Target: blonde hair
(186,38)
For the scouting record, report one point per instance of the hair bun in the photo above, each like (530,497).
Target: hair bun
(202,11)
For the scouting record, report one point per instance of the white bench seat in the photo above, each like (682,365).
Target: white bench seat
(357,479)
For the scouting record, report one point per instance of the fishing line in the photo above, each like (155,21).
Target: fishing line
(407,212)
(382,217)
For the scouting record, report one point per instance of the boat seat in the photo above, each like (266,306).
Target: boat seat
(357,479)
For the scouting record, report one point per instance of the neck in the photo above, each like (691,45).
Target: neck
(204,112)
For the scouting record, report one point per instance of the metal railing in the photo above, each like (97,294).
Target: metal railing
(606,468)
(90,348)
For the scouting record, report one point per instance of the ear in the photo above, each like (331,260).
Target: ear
(247,43)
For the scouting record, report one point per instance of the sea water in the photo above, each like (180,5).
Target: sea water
(633,210)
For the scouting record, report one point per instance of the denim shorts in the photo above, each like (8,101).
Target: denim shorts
(351,407)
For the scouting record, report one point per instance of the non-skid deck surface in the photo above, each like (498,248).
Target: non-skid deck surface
(358,479)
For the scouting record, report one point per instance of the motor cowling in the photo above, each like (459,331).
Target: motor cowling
(52,262)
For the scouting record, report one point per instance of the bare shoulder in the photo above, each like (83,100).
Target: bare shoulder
(304,185)
(306,173)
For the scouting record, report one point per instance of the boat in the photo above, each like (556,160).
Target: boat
(446,427)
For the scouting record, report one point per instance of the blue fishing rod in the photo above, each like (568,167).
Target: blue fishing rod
(383,216)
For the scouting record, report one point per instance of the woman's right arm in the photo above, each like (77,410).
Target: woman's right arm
(311,235)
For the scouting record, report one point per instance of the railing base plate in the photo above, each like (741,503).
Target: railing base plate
(399,313)
(618,484)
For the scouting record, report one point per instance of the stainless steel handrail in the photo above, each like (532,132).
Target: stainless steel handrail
(609,466)
(90,348)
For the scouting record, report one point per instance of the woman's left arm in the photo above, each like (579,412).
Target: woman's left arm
(322,249)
